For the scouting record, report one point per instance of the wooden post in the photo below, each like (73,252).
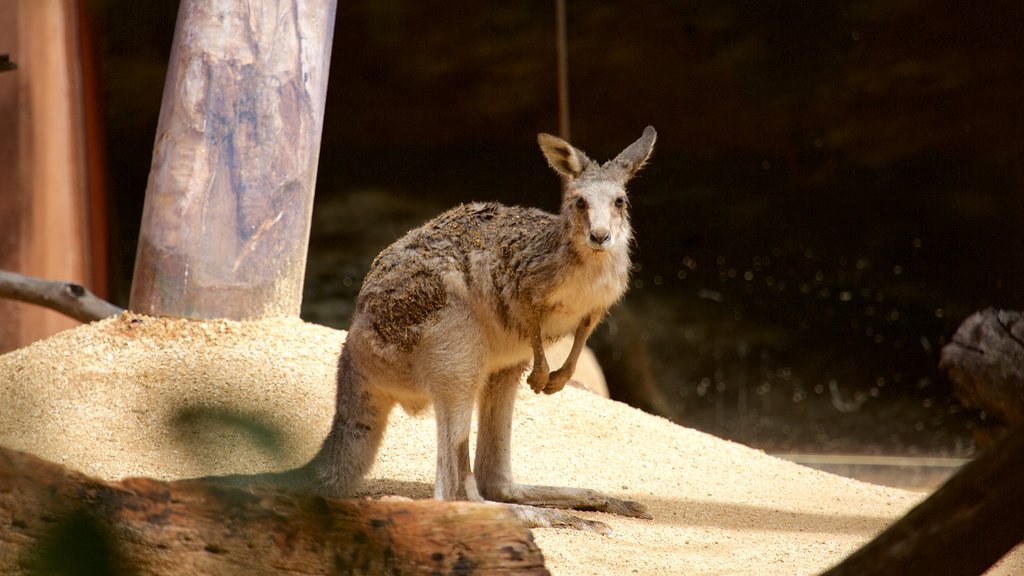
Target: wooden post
(43,207)
(562,48)
(225,225)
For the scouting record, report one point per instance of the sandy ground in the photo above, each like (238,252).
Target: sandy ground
(136,396)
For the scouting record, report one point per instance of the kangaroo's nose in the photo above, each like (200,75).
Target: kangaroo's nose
(599,236)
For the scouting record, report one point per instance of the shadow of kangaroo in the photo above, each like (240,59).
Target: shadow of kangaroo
(453,313)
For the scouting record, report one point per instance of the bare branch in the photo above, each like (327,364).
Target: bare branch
(67,298)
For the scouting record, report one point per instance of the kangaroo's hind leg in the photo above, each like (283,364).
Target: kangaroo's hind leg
(453,411)
(493,468)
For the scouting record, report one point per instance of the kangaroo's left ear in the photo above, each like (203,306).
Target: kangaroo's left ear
(562,156)
(635,156)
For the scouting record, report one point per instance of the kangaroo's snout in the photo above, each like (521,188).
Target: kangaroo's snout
(600,238)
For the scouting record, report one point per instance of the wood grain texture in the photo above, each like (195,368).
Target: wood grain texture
(49,513)
(225,225)
(985,362)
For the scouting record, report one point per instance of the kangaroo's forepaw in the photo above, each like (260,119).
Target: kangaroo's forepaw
(538,379)
(551,518)
(557,380)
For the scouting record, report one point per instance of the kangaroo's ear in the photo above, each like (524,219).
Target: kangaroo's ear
(635,156)
(562,156)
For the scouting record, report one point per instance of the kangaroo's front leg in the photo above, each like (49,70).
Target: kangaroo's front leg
(538,378)
(493,469)
(558,378)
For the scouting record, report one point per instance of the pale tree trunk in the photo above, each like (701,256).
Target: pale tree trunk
(225,226)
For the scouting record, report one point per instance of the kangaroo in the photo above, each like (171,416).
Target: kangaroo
(453,313)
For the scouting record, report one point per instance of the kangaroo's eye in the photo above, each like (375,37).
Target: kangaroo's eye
(581,203)
(620,201)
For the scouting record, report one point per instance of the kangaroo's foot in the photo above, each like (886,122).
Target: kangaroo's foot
(576,499)
(535,517)
(536,505)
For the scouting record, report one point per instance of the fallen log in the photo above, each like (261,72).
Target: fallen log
(67,298)
(985,362)
(962,529)
(50,515)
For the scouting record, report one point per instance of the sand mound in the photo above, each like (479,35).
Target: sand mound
(170,399)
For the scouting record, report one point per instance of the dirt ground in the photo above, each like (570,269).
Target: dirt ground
(170,399)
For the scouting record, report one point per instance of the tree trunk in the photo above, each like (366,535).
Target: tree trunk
(225,225)
(962,529)
(53,520)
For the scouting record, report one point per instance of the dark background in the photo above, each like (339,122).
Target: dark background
(836,185)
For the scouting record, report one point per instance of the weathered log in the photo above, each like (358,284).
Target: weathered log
(985,361)
(51,515)
(68,298)
(962,529)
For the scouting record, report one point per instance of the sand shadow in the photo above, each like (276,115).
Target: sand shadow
(748,517)
(210,436)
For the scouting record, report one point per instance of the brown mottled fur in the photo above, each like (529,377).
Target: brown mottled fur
(453,313)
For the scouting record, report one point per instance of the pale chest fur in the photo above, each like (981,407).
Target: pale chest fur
(591,288)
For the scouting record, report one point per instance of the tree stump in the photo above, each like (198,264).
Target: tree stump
(55,520)
(985,361)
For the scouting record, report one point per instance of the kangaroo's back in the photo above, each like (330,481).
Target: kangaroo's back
(471,252)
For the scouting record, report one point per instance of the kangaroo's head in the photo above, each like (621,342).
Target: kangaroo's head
(594,202)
